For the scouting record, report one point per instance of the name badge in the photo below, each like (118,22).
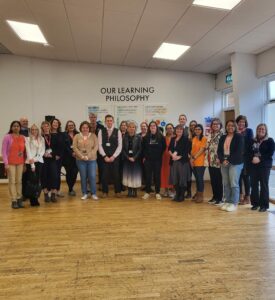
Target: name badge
(108,144)
(49,151)
(72,147)
(130,151)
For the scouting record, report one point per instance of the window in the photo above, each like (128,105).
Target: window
(228,100)
(271,90)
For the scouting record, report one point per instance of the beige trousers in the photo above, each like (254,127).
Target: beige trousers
(15,181)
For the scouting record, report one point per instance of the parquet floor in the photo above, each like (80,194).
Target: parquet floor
(135,249)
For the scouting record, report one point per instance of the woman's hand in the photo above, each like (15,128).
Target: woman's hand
(131,159)
(256,160)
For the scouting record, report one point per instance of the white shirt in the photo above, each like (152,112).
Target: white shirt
(35,149)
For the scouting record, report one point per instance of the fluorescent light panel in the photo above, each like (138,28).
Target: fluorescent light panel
(170,51)
(28,32)
(221,4)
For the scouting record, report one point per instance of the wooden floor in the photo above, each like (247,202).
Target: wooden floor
(135,249)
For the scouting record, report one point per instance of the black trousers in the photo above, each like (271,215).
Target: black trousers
(59,167)
(71,172)
(100,162)
(216,183)
(112,170)
(245,179)
(260,189)
(38,169)
(152,169)
(24,182)
(49,175)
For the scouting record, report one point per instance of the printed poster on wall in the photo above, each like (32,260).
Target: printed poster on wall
(101,110)
(129,112)
(157,113)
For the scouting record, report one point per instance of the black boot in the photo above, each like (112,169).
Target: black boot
(181,194)
(188,190)
(53,197)
(177,189)
(34,202)
(47,197)
(130,192)
(134,193)
(20,203)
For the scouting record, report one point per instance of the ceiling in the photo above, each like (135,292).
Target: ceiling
(128,32)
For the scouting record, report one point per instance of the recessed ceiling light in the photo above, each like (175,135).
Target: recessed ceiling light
(28,32)
(221,4)
(170,51)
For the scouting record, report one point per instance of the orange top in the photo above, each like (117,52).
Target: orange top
(17,150)
(196,146)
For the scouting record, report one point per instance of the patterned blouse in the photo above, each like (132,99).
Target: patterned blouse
(211,155)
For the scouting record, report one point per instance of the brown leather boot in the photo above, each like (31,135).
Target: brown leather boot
(241,202)
(199,198)
(194,198)
(246,200)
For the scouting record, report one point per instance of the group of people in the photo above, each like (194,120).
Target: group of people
(34,157)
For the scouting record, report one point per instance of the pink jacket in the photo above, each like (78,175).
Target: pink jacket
(7,140)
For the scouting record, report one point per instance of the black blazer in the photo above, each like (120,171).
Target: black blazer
(266,150)
(236,156)
(183,148)
(136,147)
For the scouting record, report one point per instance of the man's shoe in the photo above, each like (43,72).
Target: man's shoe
(263,209)
(231,207)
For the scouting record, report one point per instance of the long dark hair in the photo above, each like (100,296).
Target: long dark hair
(59,124)
(11,125)
(234,123)
(158,133)
(201,127)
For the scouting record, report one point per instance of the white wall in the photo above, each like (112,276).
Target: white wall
(266,63)
(35,88)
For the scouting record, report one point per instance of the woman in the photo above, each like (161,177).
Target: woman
(230,154)
(165,169)
(50,171)
(191,135)
(57,135)
(213,163)
(179,150)
(143,129)
(35,148)
(69,161)
(153,145)
(247,133)
(13,153)
(123,130)
(197,161)
(131,152)
(262,150)
(85,146)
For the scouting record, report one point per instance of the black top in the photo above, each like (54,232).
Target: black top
(131,147)
(236,156)
(153,147)
(264,151)
(182,147)
(68,149)
(98,127)
(55,142)
(109,144)
(248,137)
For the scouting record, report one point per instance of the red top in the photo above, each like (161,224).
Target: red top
(17,150)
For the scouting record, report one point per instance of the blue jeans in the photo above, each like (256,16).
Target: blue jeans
(230,178)
(87,171)
(199,173)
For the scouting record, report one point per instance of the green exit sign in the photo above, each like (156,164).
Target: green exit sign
(228,78)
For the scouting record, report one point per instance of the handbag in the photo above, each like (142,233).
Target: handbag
(33,187)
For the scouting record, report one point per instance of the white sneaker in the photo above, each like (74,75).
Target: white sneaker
(146,196)
(94,196)
(84,197)
(171,194)
(224,206)
(231,207)
(158,197)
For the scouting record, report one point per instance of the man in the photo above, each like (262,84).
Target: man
(110,146)
(182,122)
(95,128)
(24,122)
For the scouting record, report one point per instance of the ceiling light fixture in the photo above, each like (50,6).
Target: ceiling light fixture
(170,51)
(28,32)
(220,4)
